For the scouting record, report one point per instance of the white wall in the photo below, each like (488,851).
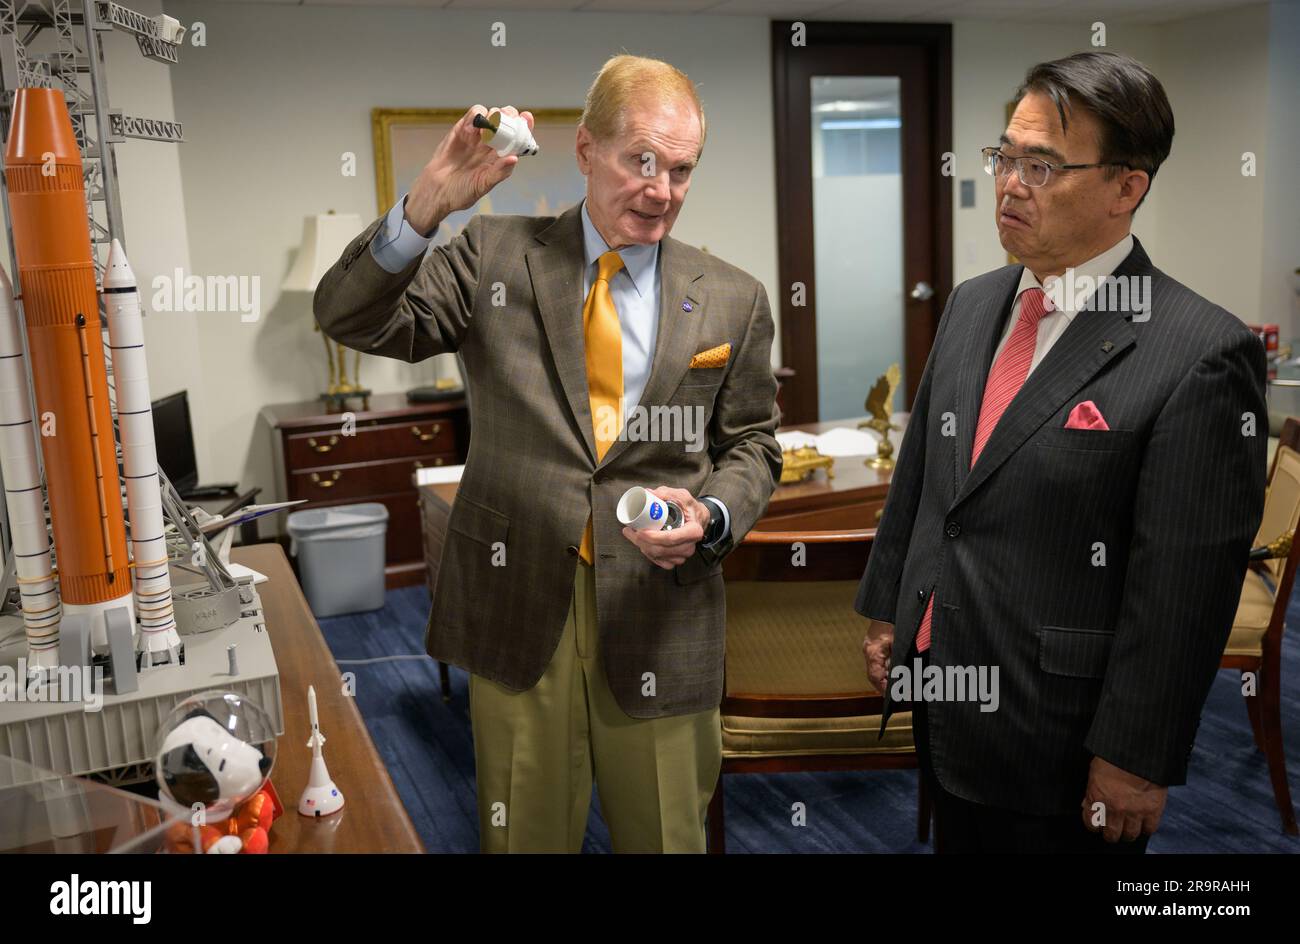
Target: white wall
(280,92)
(989,61)
(1279,296)
(1231,79)
(1211,217)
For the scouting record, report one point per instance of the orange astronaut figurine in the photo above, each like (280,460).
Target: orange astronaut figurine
(246,831)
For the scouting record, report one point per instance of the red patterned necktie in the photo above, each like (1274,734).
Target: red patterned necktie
(1005,380)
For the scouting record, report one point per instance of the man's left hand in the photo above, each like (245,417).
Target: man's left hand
(668,549)
(1132,805)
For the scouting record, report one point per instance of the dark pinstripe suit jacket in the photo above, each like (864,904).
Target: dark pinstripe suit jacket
(532,476)
(1111,660)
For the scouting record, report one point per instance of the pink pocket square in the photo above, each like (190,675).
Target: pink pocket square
(1086,416)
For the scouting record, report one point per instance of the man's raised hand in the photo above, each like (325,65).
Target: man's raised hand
(461,171)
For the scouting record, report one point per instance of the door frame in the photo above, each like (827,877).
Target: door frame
(795,247)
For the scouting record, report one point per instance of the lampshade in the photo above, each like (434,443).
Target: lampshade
(324,237)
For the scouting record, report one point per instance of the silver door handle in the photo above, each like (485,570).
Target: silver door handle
(921,291)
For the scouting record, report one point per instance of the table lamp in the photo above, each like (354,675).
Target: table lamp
(324,237)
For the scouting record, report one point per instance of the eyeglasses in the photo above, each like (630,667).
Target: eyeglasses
(1032,171)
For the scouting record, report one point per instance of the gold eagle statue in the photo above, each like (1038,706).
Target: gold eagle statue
(880,407)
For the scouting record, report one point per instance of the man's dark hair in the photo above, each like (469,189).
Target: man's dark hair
(1137,124)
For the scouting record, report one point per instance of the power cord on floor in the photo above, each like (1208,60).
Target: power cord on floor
(381,659)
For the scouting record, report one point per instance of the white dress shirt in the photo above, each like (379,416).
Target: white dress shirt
(1054,322)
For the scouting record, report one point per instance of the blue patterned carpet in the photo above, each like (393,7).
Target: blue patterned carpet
(1226,806)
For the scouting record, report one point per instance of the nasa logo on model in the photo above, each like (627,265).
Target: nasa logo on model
(656,511)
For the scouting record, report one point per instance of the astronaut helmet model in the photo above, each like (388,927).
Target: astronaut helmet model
(215,750)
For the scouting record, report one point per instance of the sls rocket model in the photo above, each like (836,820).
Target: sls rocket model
(73,422)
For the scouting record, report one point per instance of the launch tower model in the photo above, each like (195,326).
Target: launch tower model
(111,645)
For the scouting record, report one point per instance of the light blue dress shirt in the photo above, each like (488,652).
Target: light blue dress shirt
(635,290)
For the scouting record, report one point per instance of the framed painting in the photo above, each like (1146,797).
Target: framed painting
(544,184)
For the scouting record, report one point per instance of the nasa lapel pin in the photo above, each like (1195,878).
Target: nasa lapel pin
(1107,346)
(687,306)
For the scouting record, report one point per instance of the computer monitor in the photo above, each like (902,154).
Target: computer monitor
(174,439)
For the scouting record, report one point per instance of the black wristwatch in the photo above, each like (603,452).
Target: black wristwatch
(717,523)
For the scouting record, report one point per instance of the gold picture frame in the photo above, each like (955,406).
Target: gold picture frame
(404,139)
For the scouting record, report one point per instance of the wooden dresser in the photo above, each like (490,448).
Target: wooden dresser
(393,438)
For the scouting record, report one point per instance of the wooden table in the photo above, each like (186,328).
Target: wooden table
(374,819)
(852,498)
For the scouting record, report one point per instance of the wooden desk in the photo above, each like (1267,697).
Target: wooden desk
(374,819)
(854,498)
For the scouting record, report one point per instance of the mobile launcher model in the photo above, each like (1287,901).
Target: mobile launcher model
(111,645)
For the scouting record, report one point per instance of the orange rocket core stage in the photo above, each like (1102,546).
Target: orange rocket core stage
(47,203)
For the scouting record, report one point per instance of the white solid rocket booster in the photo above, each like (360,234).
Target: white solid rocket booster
(153,588)
(31,548)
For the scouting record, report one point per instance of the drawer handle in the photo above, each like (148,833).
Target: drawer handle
(334,441)
(419,464)
(316,479)
(425,437)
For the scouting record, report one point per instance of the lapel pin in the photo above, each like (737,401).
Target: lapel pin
(1106,346)
(687,306)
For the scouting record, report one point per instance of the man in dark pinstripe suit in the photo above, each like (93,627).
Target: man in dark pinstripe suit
(1075,496)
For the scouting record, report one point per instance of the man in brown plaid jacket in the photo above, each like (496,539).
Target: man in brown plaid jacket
(600,354)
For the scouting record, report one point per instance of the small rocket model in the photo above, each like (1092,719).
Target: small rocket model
(321,798)
(73,423)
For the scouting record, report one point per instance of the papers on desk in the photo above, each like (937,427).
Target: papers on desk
(840,441)
(846,441)
(437,475)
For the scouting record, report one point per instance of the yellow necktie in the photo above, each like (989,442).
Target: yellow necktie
(604,366)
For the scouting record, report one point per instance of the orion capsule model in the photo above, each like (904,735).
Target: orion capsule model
(507,134)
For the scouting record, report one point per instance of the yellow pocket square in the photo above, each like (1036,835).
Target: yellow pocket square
(713,357)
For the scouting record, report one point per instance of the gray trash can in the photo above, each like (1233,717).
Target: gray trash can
(340,553)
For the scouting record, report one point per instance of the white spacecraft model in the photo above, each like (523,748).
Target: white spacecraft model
(507,133)
(321,797)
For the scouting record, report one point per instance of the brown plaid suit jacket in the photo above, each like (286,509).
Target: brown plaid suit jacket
(531,476)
